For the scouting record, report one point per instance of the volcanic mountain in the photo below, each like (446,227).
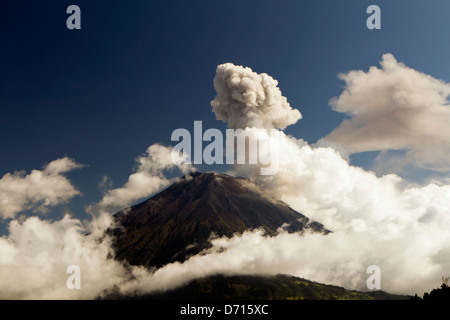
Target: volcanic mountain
(179,221)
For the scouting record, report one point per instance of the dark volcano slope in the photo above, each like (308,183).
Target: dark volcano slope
(178,222)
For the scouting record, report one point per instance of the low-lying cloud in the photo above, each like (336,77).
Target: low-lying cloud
(36,253)
(375,220)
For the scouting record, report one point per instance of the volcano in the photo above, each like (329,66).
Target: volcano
(179,221)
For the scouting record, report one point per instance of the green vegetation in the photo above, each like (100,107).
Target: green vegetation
(279,287)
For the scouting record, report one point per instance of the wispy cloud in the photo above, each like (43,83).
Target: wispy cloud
(149,178)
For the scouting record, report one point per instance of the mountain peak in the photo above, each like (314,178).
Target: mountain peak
(178,222)
(206,176)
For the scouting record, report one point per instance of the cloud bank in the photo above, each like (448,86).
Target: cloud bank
(379,221)
(395,108)
(36,254)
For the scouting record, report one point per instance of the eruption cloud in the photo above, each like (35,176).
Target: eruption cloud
(247,99)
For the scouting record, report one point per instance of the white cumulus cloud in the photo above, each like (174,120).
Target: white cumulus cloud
(38,190)
(36,254)
(395,108)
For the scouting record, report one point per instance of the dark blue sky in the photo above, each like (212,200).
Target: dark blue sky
(137,70)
